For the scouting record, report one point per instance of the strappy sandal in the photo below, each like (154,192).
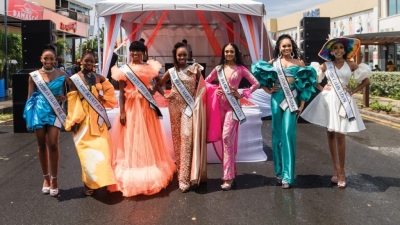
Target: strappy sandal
(334,178)
(342,182)
(227,187)
(285,185)
(53,191)
(46,189)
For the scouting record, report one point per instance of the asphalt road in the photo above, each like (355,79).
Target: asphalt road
(372,195)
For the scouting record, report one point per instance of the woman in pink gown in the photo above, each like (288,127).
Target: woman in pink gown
(141,160)
(232,66)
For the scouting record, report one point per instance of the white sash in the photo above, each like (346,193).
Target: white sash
(344,97)
(183,91)
(289,96)
(131,76)
(92,100)
(45,90)
(238,113)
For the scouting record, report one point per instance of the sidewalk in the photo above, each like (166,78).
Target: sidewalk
(6,106)
(388,119)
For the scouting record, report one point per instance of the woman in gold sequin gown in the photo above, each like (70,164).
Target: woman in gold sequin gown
(188,132)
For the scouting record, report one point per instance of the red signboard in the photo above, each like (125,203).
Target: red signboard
(71,26)
(24,10)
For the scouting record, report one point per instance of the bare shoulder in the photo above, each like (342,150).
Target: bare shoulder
(100,77)
(353,65)
(301,63)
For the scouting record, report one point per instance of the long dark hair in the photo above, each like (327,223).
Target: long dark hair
(238,55)
(176,46)
(332,57)
(295,48)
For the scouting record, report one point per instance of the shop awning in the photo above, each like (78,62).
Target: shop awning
(381,38)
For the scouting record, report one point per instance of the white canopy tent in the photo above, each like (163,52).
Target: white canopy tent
(206,24)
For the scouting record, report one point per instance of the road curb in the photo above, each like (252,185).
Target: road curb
(380,116)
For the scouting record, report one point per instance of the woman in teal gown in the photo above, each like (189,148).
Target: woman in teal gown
(41,119)
(301,80)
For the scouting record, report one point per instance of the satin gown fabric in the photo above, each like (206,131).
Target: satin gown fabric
(284,121)
(228,125)
(183,127)
(324,108)
(92,141)
(38,111)
(141,159)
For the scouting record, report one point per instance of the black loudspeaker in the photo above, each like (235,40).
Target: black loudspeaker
(313,35)
(35,35)
(20,94)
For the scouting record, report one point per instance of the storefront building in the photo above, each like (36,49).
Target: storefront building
(374,22)
(70,17)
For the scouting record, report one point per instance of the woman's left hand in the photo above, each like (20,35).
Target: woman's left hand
(348,90)
(299,111)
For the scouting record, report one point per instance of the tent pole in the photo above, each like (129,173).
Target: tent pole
(262,36)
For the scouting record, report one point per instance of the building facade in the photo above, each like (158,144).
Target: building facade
(374,22)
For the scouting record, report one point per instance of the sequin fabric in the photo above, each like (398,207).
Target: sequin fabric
(182,127)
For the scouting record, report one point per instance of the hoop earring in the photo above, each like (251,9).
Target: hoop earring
(331,53)
(292,55)
(280,55)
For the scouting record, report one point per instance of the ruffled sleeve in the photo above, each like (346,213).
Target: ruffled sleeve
(305,80)
(264,73)
(75,110)
(363,71)
(320,73)
(155,66)
(117,74)
(195,67)
(109,95)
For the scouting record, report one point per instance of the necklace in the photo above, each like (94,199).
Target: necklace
(48,71)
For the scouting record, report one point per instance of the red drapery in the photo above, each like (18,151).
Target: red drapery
(210,36)
(230,29)
(253,38)
(156,29)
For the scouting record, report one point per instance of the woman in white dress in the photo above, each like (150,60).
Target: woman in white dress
(334,108)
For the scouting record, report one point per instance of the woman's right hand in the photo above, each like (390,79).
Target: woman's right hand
(328,87)
(122,118)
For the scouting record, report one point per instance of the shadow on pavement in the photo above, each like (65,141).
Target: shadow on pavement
(360,182)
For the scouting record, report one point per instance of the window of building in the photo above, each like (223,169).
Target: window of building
(393,7)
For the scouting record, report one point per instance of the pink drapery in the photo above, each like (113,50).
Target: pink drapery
(210,36)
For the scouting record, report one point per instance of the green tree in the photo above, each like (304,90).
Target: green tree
(14,47)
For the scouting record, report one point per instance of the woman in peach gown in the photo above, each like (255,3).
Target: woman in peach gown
(141,159)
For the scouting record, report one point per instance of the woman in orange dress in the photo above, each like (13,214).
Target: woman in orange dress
(141,160)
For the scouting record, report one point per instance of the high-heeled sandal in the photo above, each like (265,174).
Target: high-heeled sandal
(342,182)
(53,191)
(334,178)
(227,187)
(285,185)
(46,189)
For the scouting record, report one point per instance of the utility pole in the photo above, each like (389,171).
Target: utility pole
(6,47)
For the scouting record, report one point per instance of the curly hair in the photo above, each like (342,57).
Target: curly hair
(174,50)
(332,57)
(238,55)
(295,49)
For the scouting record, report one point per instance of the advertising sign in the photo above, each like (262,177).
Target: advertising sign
(24,10)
